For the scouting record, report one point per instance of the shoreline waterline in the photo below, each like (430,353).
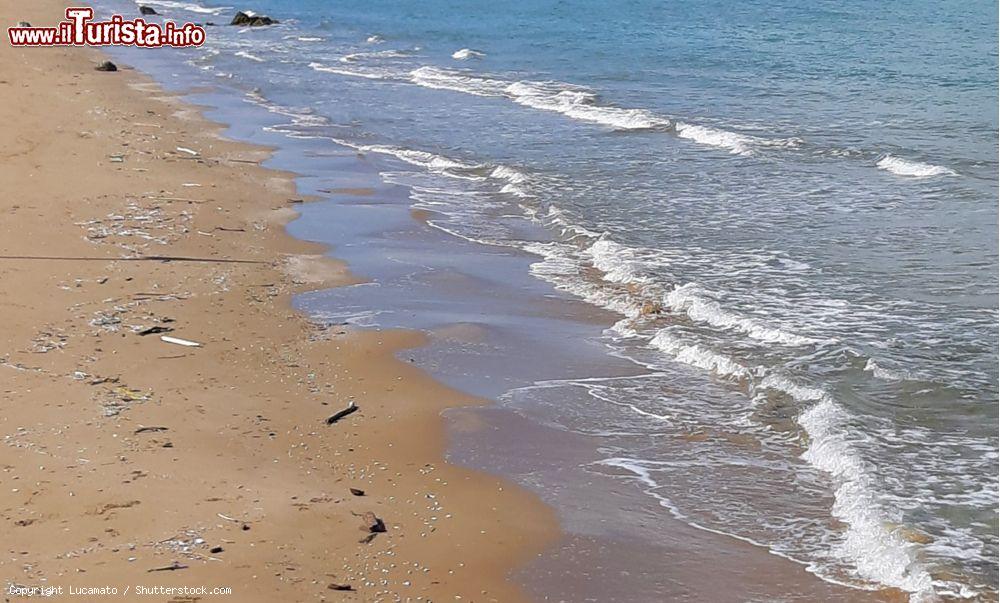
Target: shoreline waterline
(751,356)
(136,459)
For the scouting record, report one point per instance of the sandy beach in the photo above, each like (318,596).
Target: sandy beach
(471,302)
(134,461)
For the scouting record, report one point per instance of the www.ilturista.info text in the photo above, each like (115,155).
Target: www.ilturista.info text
(79,29)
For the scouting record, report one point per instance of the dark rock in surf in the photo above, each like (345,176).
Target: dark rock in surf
(106,66)
(146,10)
(250,20)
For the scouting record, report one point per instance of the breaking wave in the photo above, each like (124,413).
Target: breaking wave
(916,169)
(467,53)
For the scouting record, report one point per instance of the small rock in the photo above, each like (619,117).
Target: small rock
(357,492)
(146,10)
(373,524)
(651,308)
(251,20)
(106,66)
(23,24)
(216,549)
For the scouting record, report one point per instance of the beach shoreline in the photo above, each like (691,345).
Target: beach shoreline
(139,207)
(137,461)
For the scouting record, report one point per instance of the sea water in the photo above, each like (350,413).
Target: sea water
(788,209)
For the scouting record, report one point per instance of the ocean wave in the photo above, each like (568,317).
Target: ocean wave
(247,55)
(467,53)
(188,6)
(696,355)
(516,181)
(573,101)
(556,217)
(802,393)
(887,374)
(619,263)
(371,74)
(916,169)
(581,103)
(429,161)
(739,144)
(560,266)
(634,267)
(874,541)
(380,54)
(457,81)
(877,551)
(374,39)
(300,117)
(699,306)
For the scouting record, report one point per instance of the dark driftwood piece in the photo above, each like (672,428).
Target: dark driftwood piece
(168,568)
(341,414)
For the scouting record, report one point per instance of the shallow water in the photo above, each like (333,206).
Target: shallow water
(783,219)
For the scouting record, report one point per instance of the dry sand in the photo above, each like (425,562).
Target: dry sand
(122,453)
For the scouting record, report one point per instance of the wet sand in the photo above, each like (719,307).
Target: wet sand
(131,461)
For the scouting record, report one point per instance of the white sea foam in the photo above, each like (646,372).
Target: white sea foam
(700,307)
(877,551)
(739,144)
(457,81)
(380,54)
(735,143)
(581,104)
(573,101)
(888,374)
(467,53)
(375,39)
(802,393)
(874,544)
(516,181)
(795,265)
(371,74)
(188,6)
(247,55)
(503,172)
(302,117)
(916,169)
(619,263)
(561,266)
(567,227)
(697,355)
(430,161)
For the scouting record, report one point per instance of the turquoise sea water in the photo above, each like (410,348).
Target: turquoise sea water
(794,205)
